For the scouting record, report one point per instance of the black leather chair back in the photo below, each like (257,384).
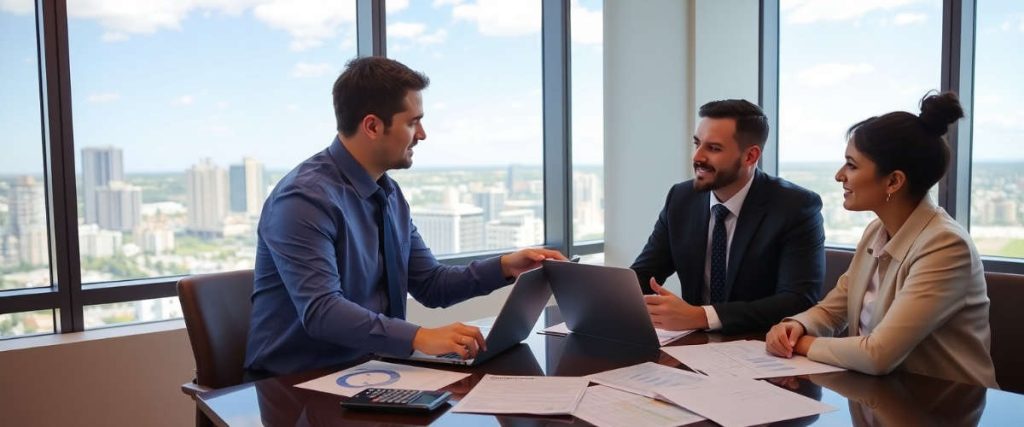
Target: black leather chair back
(836,263)
(1006,318)
(216,308)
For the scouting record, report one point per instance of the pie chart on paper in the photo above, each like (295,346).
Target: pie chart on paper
(369,378)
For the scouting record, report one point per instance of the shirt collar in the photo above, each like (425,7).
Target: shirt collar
(735,203)
(879,243)
(355,173)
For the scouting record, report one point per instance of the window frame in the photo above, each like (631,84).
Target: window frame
(68,298)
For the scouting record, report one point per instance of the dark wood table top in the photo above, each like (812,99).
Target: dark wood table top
(898,399)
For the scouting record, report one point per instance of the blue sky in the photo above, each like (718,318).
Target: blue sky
(171,82)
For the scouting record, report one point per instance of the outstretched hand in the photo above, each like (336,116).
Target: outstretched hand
(515,263)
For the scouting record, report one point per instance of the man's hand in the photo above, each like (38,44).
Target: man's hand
(455,338)
(670,312)
(515,263)
(782,338)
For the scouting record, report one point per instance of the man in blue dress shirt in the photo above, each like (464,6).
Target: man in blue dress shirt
(338,251)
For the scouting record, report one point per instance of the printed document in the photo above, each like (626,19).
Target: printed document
(504,394)
(379,374)
(742,402)
(664,337)
(607,407)
(744,359)
(643,378)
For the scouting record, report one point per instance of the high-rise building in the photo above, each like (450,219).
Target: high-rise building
(514,229)
(207,198)
(27,213)
(156,239)
(247,188)
(118,206)
(95,242)
(100,165)
(492,201)
(587,198)
(451,227)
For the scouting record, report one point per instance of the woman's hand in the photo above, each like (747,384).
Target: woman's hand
(783,337)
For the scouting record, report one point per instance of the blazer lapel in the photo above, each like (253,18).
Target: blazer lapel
(696,231)
(861,272)
(747,223)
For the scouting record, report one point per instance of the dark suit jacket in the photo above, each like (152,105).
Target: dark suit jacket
(776,259)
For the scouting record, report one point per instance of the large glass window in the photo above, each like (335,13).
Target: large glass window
(185,115)
(997,173)
(477,181)
(24,237)
(587,120)
(840,63)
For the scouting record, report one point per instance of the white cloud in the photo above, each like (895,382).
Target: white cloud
(307,70)
(18,7)
(416,33)
(102,98)
(183,101)
(440,3)
(809,11)
(828,74)
(910,18)
(397,5)
(1014,23)
(114,37)
(587,25)
(501,17)
(309,22)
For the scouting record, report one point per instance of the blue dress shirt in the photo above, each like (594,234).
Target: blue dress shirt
(319,292)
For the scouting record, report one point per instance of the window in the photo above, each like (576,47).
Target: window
(587,121)
(24,236)
(477,182)
(185,117)
(839,64)
(997,172)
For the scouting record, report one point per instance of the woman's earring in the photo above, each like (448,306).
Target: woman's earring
(887,197)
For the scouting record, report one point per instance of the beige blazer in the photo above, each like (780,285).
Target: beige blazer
(930,313)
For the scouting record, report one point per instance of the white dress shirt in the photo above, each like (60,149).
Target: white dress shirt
(878,248)
(734,205)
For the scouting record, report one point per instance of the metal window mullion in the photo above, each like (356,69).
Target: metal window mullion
(958,32)
(768,82)
(371,38)
(555,39)
(58,148)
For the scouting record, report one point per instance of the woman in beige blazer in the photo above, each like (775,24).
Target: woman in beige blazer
(914,297)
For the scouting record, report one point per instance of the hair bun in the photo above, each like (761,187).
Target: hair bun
(939,111)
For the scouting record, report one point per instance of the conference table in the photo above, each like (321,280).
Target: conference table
(898,399)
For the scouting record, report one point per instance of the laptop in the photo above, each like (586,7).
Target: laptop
(601,302)
(529,296)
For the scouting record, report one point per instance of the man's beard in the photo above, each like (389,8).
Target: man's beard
(722,177)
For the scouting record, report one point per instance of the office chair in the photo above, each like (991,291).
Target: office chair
(837,261)
(216,308)
(1006,319)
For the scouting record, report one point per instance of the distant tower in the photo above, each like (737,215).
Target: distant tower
(27,212)
(247,189)
(100,165)
(207,202)
(119,206)
(451,227)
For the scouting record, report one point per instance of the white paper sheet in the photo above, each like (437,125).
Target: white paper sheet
(744,359)
(738,402)
(644,378)
(504,394)
(376,373)
(607,407)
(664,336)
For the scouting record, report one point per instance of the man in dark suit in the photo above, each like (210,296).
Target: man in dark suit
(748,247)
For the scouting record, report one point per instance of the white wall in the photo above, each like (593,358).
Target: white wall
(726,48)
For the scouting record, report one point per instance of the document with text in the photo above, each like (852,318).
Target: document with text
(744,359)
(719,398)
(380,374)
(504,394)
(644,378)
(664,336)
(607,407)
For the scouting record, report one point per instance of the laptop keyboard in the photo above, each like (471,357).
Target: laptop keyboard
(450,356)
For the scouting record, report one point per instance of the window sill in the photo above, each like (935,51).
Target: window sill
(91,335)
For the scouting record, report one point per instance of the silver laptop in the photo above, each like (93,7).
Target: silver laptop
(529,296)
(601,302)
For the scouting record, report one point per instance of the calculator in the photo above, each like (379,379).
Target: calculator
(397,400)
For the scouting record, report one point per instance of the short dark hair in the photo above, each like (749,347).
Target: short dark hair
(751,123)
(901,141)
(373,85)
